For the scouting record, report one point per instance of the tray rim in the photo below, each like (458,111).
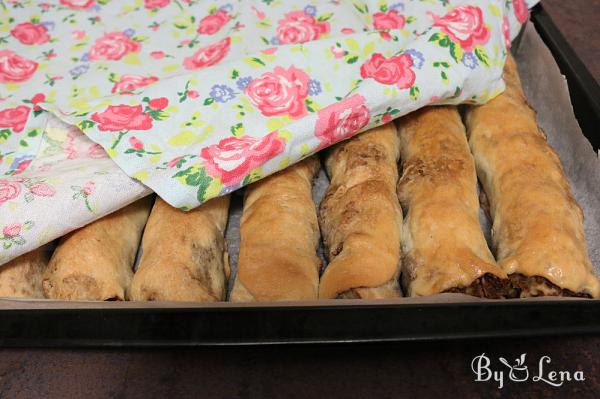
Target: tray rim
(59,327)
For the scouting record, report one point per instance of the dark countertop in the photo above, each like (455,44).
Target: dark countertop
(579,21)
(434,369)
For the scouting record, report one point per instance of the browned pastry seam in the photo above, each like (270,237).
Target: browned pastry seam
(361,219)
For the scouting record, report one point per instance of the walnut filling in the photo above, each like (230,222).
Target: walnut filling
(516,286)
(532,286)
(486,286)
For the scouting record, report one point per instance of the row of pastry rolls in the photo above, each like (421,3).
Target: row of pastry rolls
(538,237)
(183,255)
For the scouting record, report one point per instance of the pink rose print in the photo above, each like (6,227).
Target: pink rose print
(9,190)
(388,20)
(11,230)
(78,34)
(157,54)
(29,33)
(135,143)
(113,46)
(213,23)
(78,4)
(192,94)
(337,52)
(341,120)
(521,10)
(209,55)
(42,190)
(394,70)
(88,188)
(234,157)
(22,166)
(465,26)
(173,162)
(280,92)
(158,104)
(14,68)
(96,151)
(35,100)
(506,31)
(299,27)
(127,83)
(14,118)
(122,117)
(151,4)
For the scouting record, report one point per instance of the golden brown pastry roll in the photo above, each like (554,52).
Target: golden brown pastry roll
(95,262)
(537,225)
(361,219)
(184,256)
(279,238)
(443,246)
(22,276)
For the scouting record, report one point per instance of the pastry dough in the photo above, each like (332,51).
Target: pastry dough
(443,246)
(22,276)
(537,225)
(279,238)
(95,262)
(184,256)
(361,219)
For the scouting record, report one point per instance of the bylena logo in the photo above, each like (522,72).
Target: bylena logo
(519,372)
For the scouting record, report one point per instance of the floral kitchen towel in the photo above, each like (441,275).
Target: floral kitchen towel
(198,98)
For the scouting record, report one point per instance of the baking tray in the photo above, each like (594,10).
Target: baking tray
(342,321)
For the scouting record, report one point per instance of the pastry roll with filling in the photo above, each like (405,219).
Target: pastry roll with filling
(444,249)
(279,236)
(22,276)
(95,262)
(538,233)
(184,255)
(361,219)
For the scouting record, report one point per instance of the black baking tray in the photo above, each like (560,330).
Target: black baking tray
(344,322)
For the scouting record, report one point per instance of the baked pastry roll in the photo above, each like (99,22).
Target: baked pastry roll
(361,219)
(538,231)
(22,276)
(184,255)
(95,262)
(443,246)
(279,238)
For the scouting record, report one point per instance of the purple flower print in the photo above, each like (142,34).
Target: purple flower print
(275,41)
(314,87)
(397,6)
(241,83)
(228,8)
(49,25)
(85,57)
(79,70)
(417,57)
(129,32)
(310,10)
(222,93)
(469,61)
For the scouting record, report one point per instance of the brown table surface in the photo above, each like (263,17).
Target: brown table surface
(414,370)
